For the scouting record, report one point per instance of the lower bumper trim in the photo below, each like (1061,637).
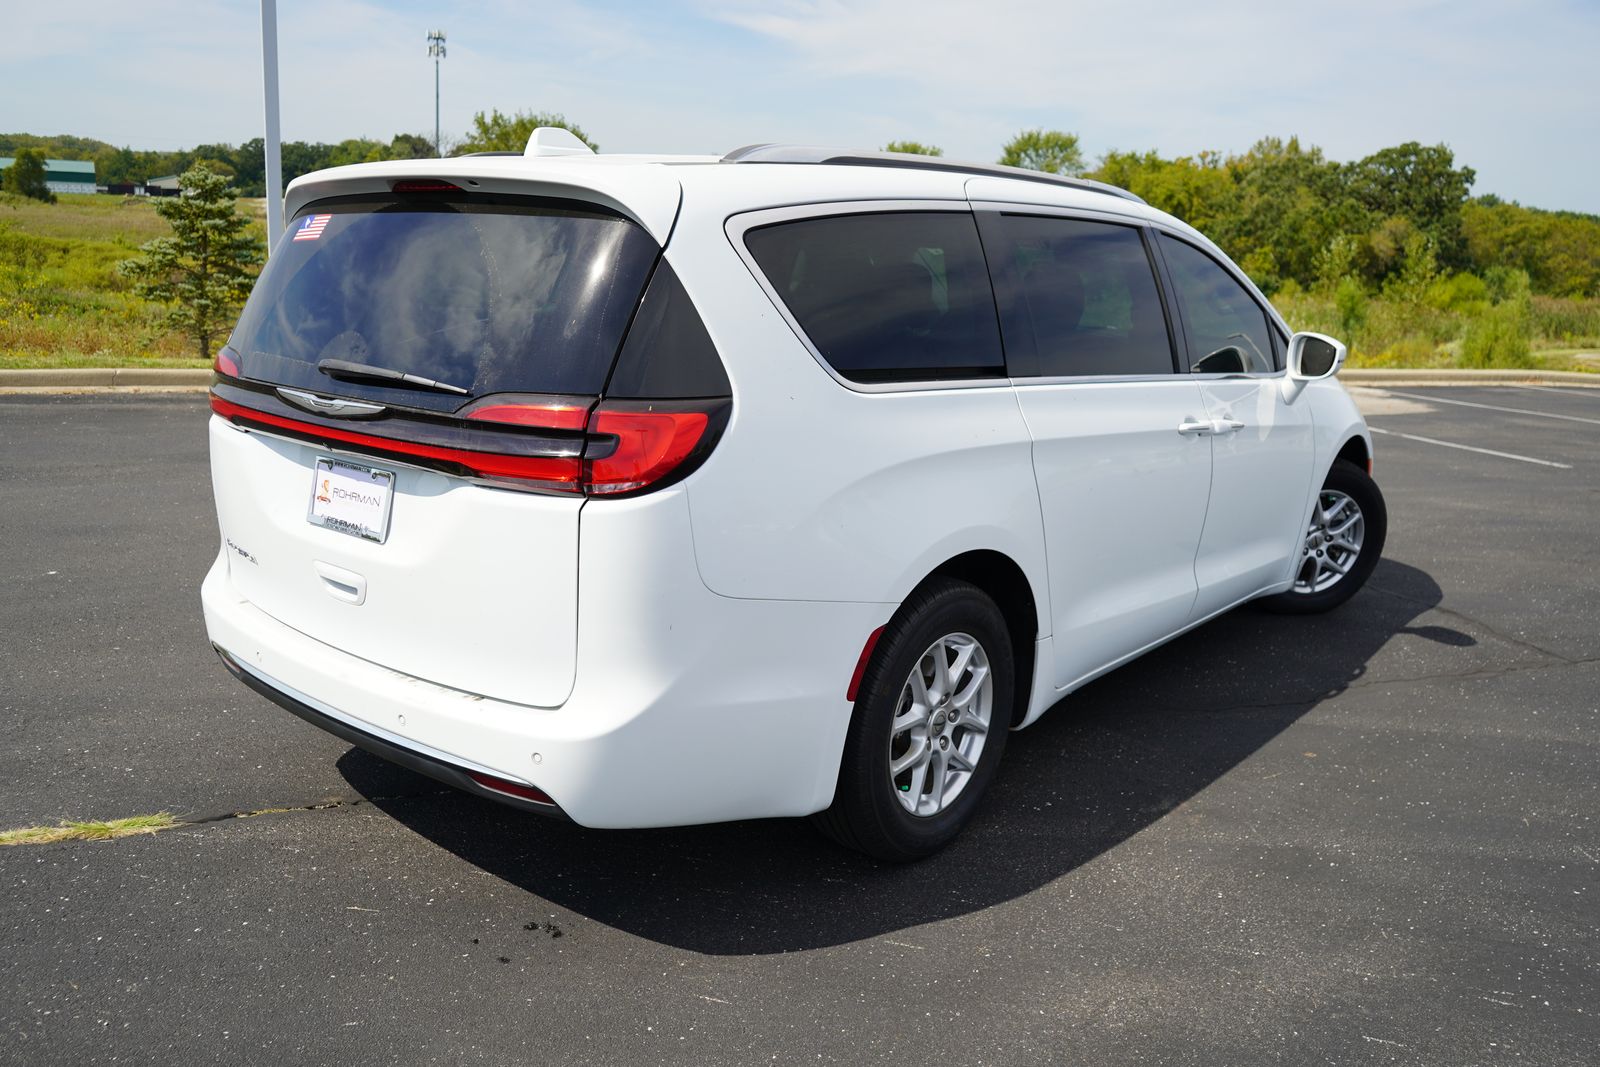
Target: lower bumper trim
(437,769)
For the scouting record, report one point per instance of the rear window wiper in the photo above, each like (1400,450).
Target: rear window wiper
(362,372)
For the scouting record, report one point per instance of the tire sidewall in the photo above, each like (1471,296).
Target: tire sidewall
(1346,478)
(865,788)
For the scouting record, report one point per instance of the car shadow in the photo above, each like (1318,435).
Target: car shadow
(1110,760)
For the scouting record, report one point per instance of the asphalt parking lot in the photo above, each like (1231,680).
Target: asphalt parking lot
(1368,837)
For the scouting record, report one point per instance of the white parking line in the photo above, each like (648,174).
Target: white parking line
(1435,399)
(1474,448)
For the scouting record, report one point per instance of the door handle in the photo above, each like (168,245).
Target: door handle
(1225,426)
(1197,427)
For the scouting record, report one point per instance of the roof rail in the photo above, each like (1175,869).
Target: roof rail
(794,153)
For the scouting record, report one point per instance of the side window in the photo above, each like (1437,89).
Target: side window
(1227,330)
(1080,296)
(891,297)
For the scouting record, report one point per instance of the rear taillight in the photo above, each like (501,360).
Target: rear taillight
(651,441)
(225,364)
(533,412)
(560,444)
(559,473)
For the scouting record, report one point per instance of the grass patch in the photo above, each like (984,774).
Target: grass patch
(62,303)
(1450,328)
(89,831)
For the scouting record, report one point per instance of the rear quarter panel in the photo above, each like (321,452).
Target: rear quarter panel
(818,492)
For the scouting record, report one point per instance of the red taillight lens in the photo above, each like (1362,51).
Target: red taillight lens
(560,473)
(649,444)
(225,364)
(514,789)
(621,446)
(543,413)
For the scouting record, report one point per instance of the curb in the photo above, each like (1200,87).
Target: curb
(103,378)
(1386,376)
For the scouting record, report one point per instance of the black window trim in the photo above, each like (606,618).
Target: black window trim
(739,224)
(1278,331)
(988,211)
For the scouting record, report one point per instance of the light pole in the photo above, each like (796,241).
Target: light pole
(270,146)
(436,50)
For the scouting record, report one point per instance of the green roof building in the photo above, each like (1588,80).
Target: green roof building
(64,175)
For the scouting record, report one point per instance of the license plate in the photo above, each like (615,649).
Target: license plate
(351,498)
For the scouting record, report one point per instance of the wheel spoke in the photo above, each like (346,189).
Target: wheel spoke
(963,699)
(959,667)
(919,776)
(914,715)
(919,688)
(1338,567)
(917,753)
(958,762)
(973,724)
(937,767)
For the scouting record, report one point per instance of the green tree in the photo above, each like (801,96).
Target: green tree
(915,148)
(494,132)
(203,270)
(1198,190)
(1047,150)
(25,176)
(411,146)
(1420,183)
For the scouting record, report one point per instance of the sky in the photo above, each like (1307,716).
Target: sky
(1509,87)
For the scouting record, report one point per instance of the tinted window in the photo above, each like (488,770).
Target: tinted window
(668,354)
(1080,296)
(893,297)
(488,294)
(1226,329)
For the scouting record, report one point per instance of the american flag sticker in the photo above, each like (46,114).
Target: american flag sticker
(311,227)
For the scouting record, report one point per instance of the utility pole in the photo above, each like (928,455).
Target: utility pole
(273,150)
(436,50)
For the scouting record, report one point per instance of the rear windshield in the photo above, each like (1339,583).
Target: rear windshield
(488,294)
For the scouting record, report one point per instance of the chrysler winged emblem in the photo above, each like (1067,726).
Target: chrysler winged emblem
(336,407)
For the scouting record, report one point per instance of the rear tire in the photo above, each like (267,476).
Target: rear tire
(930,723)
(1341,547)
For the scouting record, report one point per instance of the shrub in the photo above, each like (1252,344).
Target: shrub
(1497,338)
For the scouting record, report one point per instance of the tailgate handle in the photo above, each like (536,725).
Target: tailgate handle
(341,584)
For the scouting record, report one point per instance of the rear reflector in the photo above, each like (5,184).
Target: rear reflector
(512,789)
(861,664)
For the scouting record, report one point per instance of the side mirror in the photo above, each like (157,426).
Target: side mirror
(1312,357)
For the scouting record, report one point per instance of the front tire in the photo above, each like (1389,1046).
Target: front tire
(1342,544)
(930,723)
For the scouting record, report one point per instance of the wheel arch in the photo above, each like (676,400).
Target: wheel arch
(1355,451)
(1005,582)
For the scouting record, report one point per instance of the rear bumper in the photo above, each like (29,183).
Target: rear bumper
(394,750)
(688,707)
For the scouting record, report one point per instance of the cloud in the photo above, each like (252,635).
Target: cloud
(1499,83)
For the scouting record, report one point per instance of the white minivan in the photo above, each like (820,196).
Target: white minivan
(650,490)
